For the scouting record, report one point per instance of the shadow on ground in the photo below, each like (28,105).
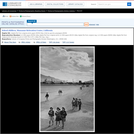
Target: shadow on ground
(44,129)
(72,111)
(55,129)
(52,128)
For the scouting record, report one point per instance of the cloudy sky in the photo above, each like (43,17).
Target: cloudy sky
(68,63)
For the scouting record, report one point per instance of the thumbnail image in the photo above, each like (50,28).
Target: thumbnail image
(66,89)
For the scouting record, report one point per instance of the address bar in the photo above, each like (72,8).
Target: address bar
(55,24)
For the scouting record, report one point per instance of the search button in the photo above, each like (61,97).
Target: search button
(128,3)
(32,21)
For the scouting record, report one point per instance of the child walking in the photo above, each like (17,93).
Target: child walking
(63,116)
(58,116)
(51,116)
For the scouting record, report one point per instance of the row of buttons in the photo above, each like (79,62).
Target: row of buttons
(67,4)
(56,4)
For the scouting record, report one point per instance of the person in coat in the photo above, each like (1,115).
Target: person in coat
(76,103)
(73,103)
(51,116)
(79,104)
(63,116)
(58,116)
(47,95)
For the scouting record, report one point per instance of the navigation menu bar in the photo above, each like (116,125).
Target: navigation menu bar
(67,4)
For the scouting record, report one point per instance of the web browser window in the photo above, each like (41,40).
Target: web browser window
(62,51)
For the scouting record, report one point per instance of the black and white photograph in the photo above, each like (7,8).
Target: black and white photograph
(66,89)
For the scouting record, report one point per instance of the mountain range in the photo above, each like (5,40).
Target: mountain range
(49,78)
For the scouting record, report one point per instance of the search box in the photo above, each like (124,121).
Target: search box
(111,4)
(55,24)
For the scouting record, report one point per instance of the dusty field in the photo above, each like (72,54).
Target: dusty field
(76,120)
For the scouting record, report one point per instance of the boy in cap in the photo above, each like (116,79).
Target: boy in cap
(63,116)
(51,116)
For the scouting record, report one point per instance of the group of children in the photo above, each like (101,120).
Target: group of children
(60,116)
(76,103)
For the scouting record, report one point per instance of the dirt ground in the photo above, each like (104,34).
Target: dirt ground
(76,120)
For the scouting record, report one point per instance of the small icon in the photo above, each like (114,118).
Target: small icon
(3,15)
(128,3)
(10,16)
(86,24)
(4,3)
(20,15)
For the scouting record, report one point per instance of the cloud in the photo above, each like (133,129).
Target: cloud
(67,65)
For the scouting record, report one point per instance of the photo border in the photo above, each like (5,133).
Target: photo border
(93,87)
